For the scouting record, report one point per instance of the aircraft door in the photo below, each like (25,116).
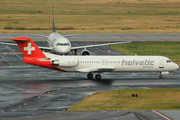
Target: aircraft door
(102,62)
(161,64)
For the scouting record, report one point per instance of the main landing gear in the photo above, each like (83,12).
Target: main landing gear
(90,76)
(98,77)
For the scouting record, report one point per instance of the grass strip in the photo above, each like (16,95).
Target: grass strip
(149,99)
(90,16)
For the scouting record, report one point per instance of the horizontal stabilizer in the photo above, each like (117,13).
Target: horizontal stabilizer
(20,39)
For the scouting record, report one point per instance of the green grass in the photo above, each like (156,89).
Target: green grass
(91,16)
(149,99)
(168,49)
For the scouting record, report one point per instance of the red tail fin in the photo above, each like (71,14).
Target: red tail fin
(32,54)
(28,47)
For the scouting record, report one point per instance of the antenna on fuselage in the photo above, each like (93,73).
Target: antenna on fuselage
(54,28)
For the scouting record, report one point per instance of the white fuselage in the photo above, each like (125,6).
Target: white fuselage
(59,44)
(115,63)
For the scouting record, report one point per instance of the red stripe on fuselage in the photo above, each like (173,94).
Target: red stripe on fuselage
(47,64)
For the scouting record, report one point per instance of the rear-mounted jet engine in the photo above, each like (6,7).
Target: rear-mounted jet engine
(65,62)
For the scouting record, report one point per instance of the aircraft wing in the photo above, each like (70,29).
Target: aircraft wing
(97,45)
(45,48)
(70,35)
(42,48)
(48,36)
(98,69)
(8,43)
(39,35)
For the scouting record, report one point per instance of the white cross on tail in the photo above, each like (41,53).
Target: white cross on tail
(29,48)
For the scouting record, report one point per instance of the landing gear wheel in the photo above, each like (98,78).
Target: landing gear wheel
(160,76)
(90,76)
(98,77)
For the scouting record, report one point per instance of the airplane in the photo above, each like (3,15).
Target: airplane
(93,64)
(58,44)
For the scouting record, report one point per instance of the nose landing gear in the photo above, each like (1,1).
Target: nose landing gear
(161,76)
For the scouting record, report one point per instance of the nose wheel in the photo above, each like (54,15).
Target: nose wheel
(90,76)
(98,77)
(160,76)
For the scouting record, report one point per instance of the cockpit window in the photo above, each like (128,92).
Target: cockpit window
(168,61)
(66,44)
(62,44)
(59,44)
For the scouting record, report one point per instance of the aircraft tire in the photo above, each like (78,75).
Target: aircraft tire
(161,76)
(98,77)
(90,76)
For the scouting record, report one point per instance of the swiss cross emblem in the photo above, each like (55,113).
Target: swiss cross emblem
(29,48)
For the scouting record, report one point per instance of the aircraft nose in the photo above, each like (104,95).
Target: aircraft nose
(62,50)
(176,66)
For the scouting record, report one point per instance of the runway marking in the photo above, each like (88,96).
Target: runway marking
(22,66)
(63,94)
(47,91)
(14,52)
(161,115)
(97,48)
(63,99)
(26,74)
(5,60)
(10,53)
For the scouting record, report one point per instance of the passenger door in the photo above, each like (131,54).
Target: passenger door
(161,64)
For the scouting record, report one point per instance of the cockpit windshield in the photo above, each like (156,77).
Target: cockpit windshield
(62,44)
(168,61)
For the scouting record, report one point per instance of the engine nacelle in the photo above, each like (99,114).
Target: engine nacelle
(65,62)
(85,52)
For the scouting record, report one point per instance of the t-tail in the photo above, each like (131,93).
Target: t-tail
(29,48)
(54,28)
(32,54)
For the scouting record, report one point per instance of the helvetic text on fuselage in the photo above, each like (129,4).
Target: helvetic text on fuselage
(135,62)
